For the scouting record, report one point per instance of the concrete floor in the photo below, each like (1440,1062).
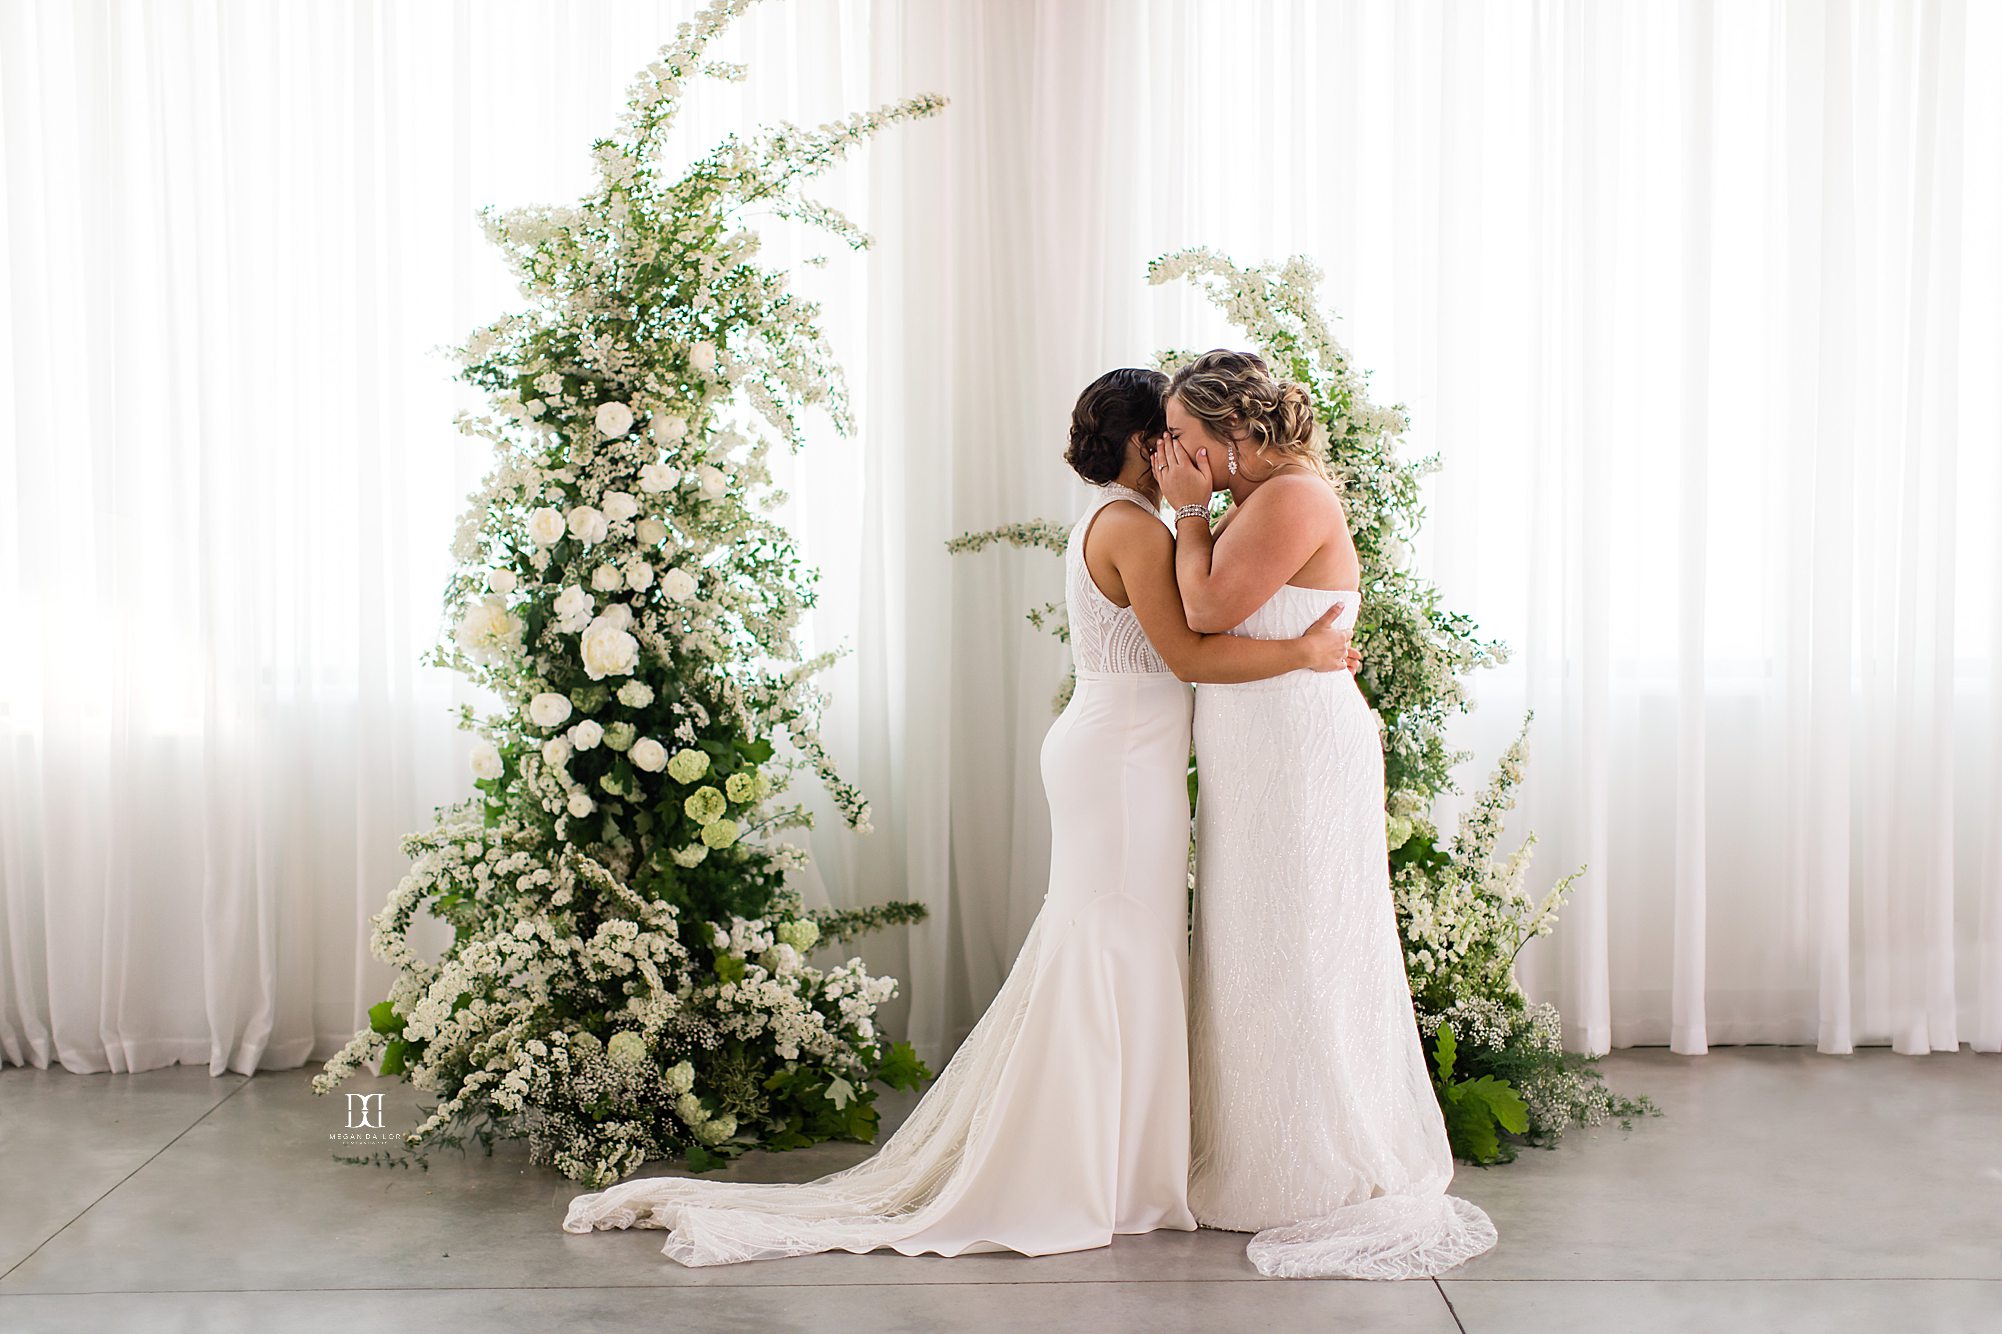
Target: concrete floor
(1781,1190)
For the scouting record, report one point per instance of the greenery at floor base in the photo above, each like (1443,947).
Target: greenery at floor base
(1464,912)
(628,977)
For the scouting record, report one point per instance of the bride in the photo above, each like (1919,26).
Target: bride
(1063,1119)
(1315,1123)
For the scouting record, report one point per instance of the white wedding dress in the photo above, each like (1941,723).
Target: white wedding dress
(1315,1123)
(1063,1119)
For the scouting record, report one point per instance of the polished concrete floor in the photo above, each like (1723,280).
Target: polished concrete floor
(1781,1190)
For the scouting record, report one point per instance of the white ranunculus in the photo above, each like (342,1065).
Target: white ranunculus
(639,574)
(678,584)
(501,581)
(607,578)
(614,419)
(712,481)
(702,357)
(556,751)
(658,477)
(650,532)
(573,610)
(648,754)
(607,650)
(587,523)
(586,734)
(620,505)
(668,428)
(549,709)
(486,760)
(545,526)
(581,804)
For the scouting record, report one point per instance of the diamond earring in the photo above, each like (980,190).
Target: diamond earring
(1230,458)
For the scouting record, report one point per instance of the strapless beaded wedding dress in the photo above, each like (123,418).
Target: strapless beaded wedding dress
(1315,1123)
(1063,1119)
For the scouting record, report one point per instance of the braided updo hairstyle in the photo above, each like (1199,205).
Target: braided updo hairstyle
(1108,412)
(1234,395)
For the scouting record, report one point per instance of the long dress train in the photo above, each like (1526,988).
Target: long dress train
(1063,1119)
(1315,1123)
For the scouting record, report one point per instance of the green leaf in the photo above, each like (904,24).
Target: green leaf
(1444,1053)
(383,1018)
(730,968)
(1470,1125)
(901,1068)
(701,1160)
(1503,1104)
(842,1092)
(392,1057)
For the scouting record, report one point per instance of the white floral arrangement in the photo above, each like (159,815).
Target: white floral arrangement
(629,977)
(1463,912)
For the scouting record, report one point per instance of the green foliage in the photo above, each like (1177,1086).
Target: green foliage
(1476,1109)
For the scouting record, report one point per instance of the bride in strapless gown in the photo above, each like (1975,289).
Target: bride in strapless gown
(1315,1124)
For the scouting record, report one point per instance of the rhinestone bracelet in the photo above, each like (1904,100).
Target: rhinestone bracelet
(1193,512)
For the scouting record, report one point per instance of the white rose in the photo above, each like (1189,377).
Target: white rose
(573,610)
(487,629)
(639,574)
(606,578)
(586,734)
(607,650)
(545,526)
(668,428)
(620,505)
(650,532)
(614,419)
(658,477)
(702,357)
(678,584)
(587,523)
(501,581)
(712,481)
(619,614)
(556,751)
(486,760)
(548,709)
(648,754)
(581,804)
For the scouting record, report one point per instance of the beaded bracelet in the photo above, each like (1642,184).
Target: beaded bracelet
(1193,512)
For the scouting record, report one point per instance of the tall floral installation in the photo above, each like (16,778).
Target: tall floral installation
(1464,910)
(628,977)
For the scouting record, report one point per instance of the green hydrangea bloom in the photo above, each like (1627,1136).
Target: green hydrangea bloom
(705,804)
(742,787)
(688,765)
(719,833)
(801,935)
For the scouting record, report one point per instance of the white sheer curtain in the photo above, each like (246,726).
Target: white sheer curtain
(1698,302)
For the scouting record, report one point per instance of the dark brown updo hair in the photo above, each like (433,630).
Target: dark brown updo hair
(1234,395)
(1108,412)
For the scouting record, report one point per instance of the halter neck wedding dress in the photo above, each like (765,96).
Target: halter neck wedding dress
(1315,1124)
(1063,1119)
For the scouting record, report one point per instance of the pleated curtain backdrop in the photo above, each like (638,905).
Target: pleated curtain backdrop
(1700,305)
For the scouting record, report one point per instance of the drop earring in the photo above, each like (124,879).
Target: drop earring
(1230,458)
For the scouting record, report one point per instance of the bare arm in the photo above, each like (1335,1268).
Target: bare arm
(1142,552)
